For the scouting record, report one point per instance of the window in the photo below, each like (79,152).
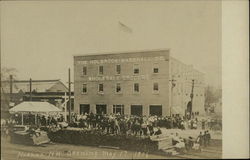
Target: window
(84,70)
(84,88)
(100,87)
(118,88)
(118,108)
(100,70)
(156,87)
(136,87)
(136,69)
(118,69)
(155,68)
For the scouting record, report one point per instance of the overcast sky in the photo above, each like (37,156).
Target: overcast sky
(39,39)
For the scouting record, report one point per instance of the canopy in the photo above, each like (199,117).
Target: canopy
(37,107)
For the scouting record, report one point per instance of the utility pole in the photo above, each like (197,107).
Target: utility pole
(30,89)
(11,89)
(172,95)
(192,96)
(69,98)
(65,107)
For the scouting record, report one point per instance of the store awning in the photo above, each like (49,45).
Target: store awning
(37,107)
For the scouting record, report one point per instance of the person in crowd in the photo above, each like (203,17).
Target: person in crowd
(203,124)
(182,125)
(189,142)
(195,125)
(151,129)
(192,124)
(175,139)
(200,139)
(144,127)
(205,138)
(158,132)
(208,137)
(116,126)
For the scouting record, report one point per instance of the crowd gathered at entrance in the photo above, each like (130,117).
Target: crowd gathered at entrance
(139,126)
(119,124)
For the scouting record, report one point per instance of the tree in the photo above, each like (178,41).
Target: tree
(5,82)
(6,72)
(212,96)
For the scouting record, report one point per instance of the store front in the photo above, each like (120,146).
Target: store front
(155,110)
(136,110)
(84,108)
(101,109)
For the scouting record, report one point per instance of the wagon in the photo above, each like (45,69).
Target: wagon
(22,135)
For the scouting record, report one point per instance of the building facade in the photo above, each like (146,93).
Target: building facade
(185,78)
(132,83)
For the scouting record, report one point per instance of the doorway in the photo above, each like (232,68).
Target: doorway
(84,108)
(155,110)
(136,110)
(101,109)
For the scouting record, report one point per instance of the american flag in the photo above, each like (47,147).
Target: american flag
(125,27)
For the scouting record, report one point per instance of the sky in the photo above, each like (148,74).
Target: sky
(39,38)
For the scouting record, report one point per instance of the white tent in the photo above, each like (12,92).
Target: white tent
(38,107)
(34,107)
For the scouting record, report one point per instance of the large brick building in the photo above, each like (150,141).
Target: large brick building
(137,83)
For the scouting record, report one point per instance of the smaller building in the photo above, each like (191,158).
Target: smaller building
(52,91)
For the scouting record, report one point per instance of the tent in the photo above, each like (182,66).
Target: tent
(34,107)
(38,107)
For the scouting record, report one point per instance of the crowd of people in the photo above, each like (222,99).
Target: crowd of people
(114,124)
(117,123)
(137,125)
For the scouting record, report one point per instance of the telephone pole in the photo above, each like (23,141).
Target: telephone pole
(30,89)
(192,96)
(11,85)
(172,97)
(69,98)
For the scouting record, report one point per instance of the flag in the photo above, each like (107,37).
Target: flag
(125,27)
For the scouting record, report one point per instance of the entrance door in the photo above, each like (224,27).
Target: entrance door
(155,110)
(101,109)
(84,108)
(136,110)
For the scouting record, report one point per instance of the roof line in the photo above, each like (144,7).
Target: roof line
(22,81)
(121,52)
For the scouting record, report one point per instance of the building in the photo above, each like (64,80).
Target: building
(138,83)
(52,91)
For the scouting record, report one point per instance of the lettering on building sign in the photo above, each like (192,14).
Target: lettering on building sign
(123,60)
(117,78)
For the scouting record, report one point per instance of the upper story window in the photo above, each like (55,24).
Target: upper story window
(136,69)
(100,87)
(136,87)
(84,70)
(118,69)
(156,68)
(100,70)
(118,88)
(84,88)
(156,87)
